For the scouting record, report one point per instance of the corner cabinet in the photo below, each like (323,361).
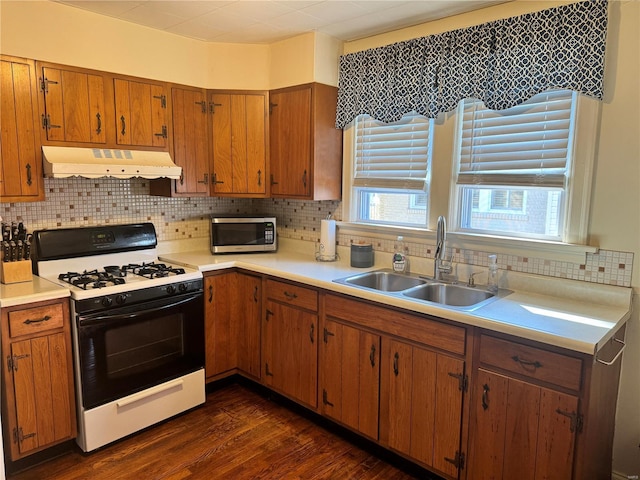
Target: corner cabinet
(305,146)
(20,157)
(290,341)
(239,133)
(233,312)
(38,388)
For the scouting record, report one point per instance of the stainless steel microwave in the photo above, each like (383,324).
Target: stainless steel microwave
(243,234)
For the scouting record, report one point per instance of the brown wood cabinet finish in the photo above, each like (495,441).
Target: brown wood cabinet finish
(350,376)
(20,157)
(232,324)
(239,132)
(38,391)
(305,146)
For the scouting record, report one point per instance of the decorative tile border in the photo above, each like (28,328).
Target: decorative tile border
(77,202)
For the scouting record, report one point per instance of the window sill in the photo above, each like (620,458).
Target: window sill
(562,252)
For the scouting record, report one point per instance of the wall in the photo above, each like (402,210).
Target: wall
(26,29)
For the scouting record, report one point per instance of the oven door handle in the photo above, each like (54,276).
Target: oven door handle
(112,319)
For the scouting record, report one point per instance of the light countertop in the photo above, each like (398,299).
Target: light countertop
(37,290)
(575,315)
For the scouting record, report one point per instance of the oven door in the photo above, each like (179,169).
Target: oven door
(128,349)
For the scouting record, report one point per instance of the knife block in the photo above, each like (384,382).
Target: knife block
(16,272)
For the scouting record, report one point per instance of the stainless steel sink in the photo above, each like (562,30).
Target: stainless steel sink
(382,280)
(450,295)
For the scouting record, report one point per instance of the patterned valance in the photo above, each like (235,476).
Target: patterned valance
(503,63)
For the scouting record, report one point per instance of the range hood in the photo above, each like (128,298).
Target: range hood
(63,162)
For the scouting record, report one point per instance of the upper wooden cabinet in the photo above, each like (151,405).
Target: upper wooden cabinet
(190,142)
(305,146)
(141,113)
(20,158)
(72,105)
(239,132)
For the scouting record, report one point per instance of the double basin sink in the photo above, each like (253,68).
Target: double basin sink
(413,287)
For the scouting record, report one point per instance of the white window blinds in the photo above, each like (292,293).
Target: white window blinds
(527,145)
(394,155)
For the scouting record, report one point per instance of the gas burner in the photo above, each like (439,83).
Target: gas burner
(153,270)
(91,279)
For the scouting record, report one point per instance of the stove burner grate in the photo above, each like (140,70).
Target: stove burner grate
(152,270)
(91,279)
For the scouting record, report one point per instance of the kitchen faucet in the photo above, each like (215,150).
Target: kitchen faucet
(440,263)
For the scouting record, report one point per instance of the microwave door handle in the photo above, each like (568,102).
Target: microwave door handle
(87,321)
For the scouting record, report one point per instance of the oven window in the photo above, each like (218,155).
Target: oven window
(144,346)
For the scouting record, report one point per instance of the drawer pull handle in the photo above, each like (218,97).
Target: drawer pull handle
(372,356)
(290,296)
(527,365)
(396,358)
(485,396)
(29,321)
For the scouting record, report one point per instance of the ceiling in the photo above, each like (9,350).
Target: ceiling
(268,21)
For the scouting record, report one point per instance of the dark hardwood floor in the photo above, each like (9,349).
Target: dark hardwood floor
(239,434)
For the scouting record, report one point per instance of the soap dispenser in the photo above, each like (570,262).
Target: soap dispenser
(400,260)
(492,276)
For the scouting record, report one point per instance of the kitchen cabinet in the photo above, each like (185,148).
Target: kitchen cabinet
(232,324)
(290,341)
(350,376)
(73,105)
(539,412)
(190,145)
(305,147)
(239,132)
(20,157)
(38,390)
(140,113)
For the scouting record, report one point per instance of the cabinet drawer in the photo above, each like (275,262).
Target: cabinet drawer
(531,362)
(293,295)
(34,320)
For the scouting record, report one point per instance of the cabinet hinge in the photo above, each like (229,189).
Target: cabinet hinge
(325,400)
(163,133)
(576,419)
(463,380)
(46,122)
(327,334)
(12,361)
(457,461)
(163,100)
(19,436)
(44,84)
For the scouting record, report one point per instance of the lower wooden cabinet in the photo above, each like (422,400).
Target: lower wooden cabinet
(232,324)
(290,342)
(38,390)
(421,405)
(350,376)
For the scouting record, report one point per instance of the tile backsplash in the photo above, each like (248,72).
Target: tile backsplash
(76,202)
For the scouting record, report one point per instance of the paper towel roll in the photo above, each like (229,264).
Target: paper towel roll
(327,239)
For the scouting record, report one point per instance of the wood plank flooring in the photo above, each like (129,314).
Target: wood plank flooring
(239,434)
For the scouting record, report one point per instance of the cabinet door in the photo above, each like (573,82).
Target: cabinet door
(520,430)
(238,139)
(190,143)
(221,331)
(350,376)
(290,132)
(290,353)
(74,108)
(421,404)
(141,117)
(20,178)
(249,304)
(41,390)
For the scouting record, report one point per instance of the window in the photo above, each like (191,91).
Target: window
(513,166)
(390,177)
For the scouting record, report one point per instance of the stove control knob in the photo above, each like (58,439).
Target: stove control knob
(171,289)
(120,299)
(182,287)
(106,301)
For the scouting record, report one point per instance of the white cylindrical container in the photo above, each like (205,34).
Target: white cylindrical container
(327,240)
